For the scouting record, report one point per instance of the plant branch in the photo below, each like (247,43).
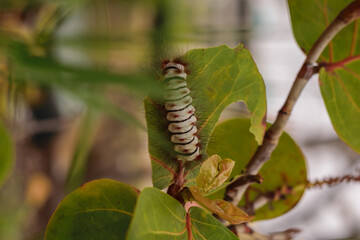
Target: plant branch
(243,231)
(308,69)
(176,187)
(330,182)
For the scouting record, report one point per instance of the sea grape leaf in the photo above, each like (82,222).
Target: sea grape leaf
(223,209)
(222,75)
(100,209)
(340,89)
(213,173)
(340,75)
(286,166)
(158,216)
(6,153)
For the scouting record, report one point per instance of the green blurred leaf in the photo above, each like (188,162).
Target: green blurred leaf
(79,162)
(221,76)
(46,70)
(87,85)
(6,153)
(285,167)
(13,208)
(100,209)
(213,173)
(220,207)
(158,216)
(340,75)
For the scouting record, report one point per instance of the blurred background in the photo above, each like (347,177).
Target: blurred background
(73,75)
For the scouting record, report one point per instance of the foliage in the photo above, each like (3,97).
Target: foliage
(286,167)
(159,216)
(99,208)
(6,153)
(340,73)
(213,173)
(221,76)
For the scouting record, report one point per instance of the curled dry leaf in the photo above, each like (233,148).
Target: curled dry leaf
(213,173)
(222,208)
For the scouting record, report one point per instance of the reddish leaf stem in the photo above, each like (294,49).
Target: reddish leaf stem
(175,188)
(308,69)
(188,226)
(340,64)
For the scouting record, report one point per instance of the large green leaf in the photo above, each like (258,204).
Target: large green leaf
(100,209)
(220,76)
(6,153)
(340,89)
(310,18)
(340,75)
(158,216)
(286,166)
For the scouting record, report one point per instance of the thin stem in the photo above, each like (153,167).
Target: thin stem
(308,69)
(340,64)
(330,182)
(243,231)
(176,187)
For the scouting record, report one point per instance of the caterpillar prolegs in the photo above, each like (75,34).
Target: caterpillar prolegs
(180,112)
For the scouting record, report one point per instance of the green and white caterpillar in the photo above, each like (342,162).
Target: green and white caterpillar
(179,111)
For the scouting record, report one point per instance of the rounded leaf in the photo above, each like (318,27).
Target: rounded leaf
(340,89)
(158,216)
(286,166)
(100,209)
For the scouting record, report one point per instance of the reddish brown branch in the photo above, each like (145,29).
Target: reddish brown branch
(243,231)
(241,181)
(263,153)
(330,182)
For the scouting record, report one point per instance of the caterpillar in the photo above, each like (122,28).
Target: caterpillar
(180,112)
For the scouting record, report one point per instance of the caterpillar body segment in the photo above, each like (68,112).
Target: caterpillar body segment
(180,113)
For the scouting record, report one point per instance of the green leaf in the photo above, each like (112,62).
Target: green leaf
(205,226)
(286,166)
(310,18)
(221,76)
(340,74)
(221,208)
(47,70)
(85,84)
(100,209)
(213,173)
(340,89)
(6,153)
(158,216)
